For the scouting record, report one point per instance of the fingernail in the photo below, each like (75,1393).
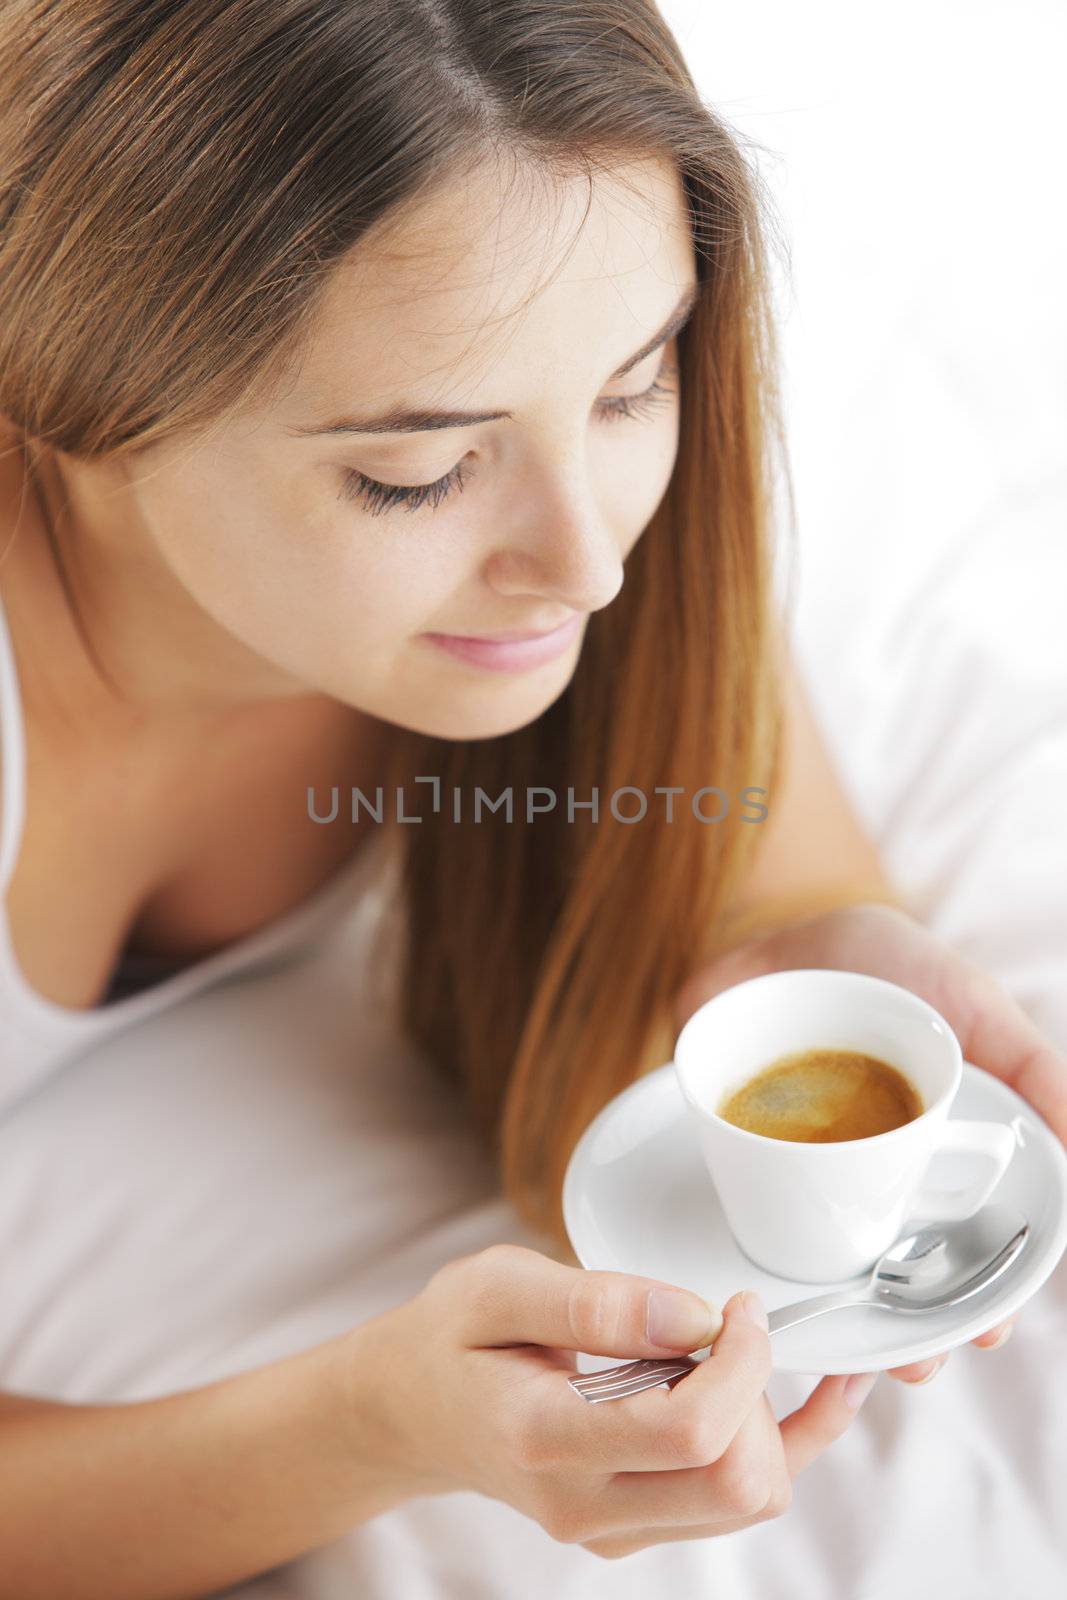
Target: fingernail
(679,1319)
(754,1309)
(858,1388)
(917,1383)
(1003,1339)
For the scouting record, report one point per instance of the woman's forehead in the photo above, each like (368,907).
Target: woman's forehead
(490,282)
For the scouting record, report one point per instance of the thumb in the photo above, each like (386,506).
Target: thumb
(529,1298)
(677,1319)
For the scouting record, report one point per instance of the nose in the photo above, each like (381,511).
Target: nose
(560,546)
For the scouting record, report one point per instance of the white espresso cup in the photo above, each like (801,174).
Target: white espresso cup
(822,1212)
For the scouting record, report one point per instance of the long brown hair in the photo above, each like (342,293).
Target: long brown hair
(177,180)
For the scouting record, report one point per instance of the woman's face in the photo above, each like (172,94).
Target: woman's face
(268,524)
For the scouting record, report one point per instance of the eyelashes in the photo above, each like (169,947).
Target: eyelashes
(635,406)
(377,498)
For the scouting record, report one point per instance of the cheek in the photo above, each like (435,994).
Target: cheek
(398,574)
(204,533)
(245,550)
(636,478)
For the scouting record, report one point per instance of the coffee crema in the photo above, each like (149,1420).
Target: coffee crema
(822,1096)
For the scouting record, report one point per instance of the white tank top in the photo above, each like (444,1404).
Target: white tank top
(38,1035)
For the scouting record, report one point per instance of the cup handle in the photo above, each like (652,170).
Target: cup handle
(994,1141)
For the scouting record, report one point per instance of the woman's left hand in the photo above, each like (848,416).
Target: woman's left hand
(993,1030)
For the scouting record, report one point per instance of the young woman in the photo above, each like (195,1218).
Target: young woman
(332,339)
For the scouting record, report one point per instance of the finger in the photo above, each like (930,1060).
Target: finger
(737,1485)
(616,1545)
(630,1543)
(993,1338)
(824,1417)
(996,1033)
(715,1524)
(660,1430)
(918,1372)
(633,1540)
(512,1295)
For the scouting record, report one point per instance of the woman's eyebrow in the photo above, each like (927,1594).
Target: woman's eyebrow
(408,420)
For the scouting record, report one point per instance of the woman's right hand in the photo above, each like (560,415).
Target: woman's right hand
(470,1377)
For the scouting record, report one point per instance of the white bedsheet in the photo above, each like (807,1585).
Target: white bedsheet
(264,1167)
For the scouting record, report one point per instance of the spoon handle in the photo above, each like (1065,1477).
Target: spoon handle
(801,1310)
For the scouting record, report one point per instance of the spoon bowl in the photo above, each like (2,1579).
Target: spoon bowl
(935,1266)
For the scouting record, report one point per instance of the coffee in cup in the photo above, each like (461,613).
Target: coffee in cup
(822,1210)
(823,1096)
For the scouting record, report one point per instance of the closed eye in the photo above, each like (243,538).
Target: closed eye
(379,497)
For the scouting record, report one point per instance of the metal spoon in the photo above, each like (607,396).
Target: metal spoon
(925,1270)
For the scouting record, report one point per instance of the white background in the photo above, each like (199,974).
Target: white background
(916,156)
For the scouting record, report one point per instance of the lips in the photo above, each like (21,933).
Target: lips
(513,636)
(515,653)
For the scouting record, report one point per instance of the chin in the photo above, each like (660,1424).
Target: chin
(485,712)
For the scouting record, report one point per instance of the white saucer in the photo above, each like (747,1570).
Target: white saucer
(638,1198)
